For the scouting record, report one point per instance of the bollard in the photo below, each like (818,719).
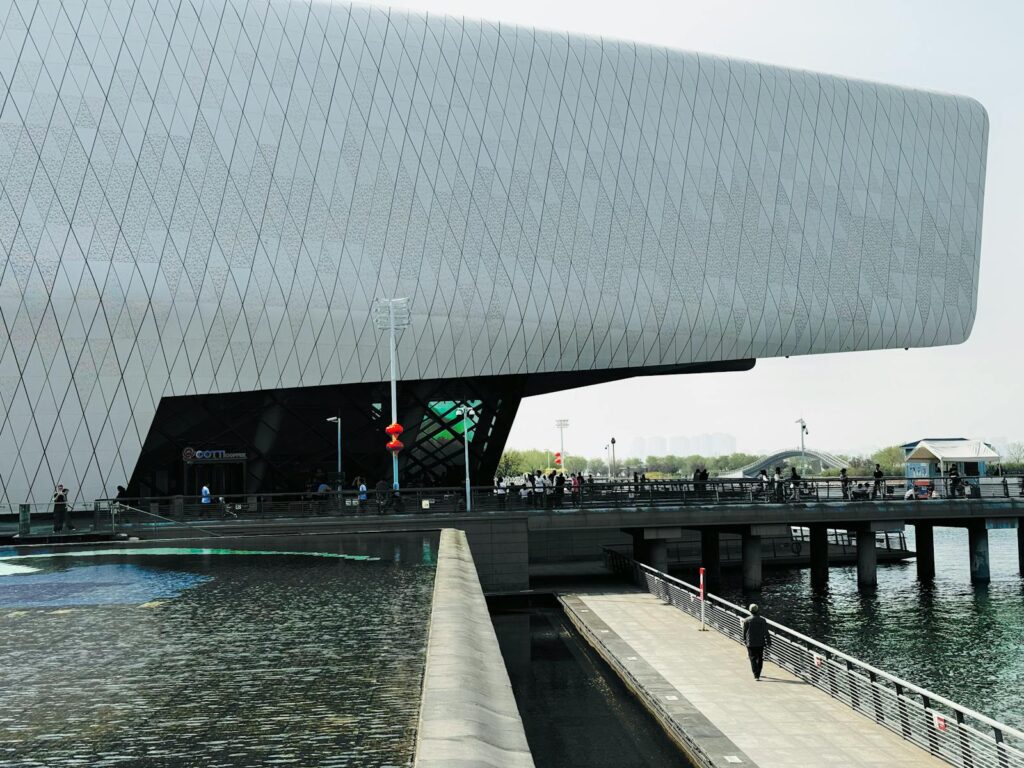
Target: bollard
(24,519)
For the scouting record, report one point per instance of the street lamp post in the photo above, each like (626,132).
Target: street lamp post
(392,315)
(337,420)
(613,456)
(466,412)
(561,424)
(607,459)
(803,431)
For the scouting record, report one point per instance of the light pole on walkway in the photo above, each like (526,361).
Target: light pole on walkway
(466,412)
(392,315)
(803,431)
(561,424)
(337,420)
(613,456)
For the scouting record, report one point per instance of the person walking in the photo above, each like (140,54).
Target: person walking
(205,500)
(756,638)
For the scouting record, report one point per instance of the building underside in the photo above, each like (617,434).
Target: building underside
(278,441)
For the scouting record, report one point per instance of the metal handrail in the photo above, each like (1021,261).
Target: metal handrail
(720,490)
(117,506)
(887,699)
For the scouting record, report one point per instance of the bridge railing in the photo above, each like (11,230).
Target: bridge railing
(107,514)
(950,732)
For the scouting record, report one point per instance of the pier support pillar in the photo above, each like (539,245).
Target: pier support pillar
(977,535)
(819,556)
(924,535)
(657,555)
(867,559)
(710,558)
(639,546)
(751,561)
(1020,546)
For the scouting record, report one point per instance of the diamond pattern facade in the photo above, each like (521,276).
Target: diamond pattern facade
(206,196)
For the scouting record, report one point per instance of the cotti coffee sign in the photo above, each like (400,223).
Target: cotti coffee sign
(214,454)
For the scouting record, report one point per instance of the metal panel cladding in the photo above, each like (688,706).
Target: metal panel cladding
(206,196)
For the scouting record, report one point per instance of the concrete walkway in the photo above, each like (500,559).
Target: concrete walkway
(701,683)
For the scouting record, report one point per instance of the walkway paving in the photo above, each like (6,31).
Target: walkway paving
(701,682)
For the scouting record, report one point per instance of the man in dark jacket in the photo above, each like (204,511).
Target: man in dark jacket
(756,638)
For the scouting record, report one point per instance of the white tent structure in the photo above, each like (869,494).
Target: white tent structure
(953,451)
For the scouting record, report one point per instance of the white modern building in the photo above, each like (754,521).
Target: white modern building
(199,202)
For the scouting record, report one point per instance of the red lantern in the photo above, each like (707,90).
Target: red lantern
(394,430)
(395,445)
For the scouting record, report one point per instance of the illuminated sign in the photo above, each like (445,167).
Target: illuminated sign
(216,454)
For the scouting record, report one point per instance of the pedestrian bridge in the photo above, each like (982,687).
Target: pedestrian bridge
(500,527)
(779,458)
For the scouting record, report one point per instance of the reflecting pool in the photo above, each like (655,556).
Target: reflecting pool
(215,658)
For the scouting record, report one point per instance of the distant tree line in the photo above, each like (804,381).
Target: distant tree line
(518,462)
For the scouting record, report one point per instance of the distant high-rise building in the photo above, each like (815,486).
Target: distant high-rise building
(656,446)
(638,447)
(679,445)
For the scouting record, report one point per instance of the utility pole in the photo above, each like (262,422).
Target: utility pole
(393,315)
(613,456)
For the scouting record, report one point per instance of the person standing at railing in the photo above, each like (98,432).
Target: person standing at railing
(60,509)
(362,494)
(763,483)
(500,491)
(777,484)
(756,638)
(844,483)
(794,483)
(878,474)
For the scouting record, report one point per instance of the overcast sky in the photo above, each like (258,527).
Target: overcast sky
(855,401)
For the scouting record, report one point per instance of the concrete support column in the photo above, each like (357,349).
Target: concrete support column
(924,535)
(819,556)
(640,547)
(657,554)
(977,535)
(867,559)
(1020,545)
(710,557)
(751,562)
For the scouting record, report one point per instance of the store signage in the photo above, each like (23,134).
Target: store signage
(214,454)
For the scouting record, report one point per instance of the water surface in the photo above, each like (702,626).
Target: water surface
(575,710)
(213,660)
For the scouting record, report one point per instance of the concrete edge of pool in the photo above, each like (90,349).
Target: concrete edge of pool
(468,713)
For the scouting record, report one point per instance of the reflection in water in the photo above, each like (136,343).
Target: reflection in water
(576,712)
(213,660)
(961,641)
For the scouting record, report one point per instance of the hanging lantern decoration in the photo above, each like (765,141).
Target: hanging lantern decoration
(393,431)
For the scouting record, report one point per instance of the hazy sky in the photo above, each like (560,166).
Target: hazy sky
(854,401)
